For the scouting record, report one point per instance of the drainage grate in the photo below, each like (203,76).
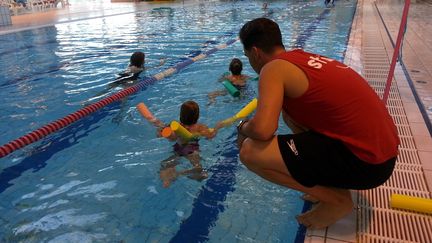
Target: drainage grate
(377,222)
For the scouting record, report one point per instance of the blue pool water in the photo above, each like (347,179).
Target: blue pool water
(97,180)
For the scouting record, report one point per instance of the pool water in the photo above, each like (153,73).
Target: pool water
(97,180)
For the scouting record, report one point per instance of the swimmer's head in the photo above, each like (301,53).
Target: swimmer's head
(137,59)
(236,66)
(189,113)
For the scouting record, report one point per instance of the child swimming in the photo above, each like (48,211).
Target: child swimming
(189,115)
(236,78)
(135,68)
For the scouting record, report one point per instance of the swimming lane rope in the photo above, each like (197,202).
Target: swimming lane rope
(56,125)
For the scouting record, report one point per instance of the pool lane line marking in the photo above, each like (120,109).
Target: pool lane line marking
(304,36)
(209,202)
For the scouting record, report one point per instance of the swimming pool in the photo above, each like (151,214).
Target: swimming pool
(97,180)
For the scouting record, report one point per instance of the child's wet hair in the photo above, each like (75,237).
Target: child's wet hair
(236,66)
(137,59)
(189,113)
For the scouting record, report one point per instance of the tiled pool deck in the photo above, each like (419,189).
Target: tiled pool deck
(416,148)
(374,220)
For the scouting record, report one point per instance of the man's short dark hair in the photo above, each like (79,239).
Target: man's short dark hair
(262,33)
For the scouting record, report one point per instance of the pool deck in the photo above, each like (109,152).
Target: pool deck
(410,105)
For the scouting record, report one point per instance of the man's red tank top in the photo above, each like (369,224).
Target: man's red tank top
(340,104)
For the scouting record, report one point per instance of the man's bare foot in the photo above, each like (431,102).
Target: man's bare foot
(309,198)
(324,214)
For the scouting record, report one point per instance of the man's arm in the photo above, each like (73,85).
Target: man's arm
(278,79)
(263,125)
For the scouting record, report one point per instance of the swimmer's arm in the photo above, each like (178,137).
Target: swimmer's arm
(130,74)
(157,123)
(173,137)
(160,126)
(207,132)
(161,62)
(133,71)
(224,77)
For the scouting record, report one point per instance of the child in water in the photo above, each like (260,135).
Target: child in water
(135,68)
(189,115)
(129,76)
(236,78)
(126,79)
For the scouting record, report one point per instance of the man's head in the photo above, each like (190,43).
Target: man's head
(260,37)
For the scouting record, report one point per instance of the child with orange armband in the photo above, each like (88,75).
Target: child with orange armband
(189,115)
(188,148)
(186,134)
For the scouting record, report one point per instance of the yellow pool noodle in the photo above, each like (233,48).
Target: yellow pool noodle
(418,204)
(229,121)
(244,112)
(249,108)
(181,131)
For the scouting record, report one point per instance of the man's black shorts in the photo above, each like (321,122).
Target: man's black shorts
(314,159)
